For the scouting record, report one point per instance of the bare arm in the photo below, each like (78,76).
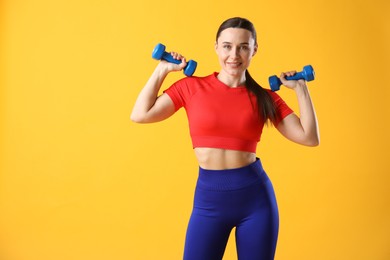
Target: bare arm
(303,129)
(149,107)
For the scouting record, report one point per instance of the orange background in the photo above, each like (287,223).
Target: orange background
(78,180)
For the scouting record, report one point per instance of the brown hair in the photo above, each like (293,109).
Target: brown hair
(266,105)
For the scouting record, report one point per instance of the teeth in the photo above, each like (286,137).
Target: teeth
(234,64)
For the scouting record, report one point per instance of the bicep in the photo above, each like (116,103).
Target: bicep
(161,110)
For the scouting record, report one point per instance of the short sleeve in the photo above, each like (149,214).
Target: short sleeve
(282,109)
(177,92)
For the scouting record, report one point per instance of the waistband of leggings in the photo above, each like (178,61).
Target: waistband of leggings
(231,179)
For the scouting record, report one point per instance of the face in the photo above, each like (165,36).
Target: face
(235,48)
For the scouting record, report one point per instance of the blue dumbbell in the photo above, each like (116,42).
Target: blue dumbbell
(159,53)
(307,74)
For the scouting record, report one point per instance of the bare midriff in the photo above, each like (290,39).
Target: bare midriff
(221,159)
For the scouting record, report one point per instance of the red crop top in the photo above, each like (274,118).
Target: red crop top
(220,116)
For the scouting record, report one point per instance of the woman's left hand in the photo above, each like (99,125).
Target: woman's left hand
(291,84)
(303,129)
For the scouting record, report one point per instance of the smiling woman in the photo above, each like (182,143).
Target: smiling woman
(226,113)
(235,48)
(79,181)
(238,55)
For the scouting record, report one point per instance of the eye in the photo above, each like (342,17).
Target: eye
(227,47)
(244,47)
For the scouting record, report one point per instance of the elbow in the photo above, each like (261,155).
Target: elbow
(313,142)
(136,118)
(312,138)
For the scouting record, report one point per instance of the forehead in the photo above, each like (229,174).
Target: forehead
(236,35)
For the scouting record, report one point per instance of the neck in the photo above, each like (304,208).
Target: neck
(232,81)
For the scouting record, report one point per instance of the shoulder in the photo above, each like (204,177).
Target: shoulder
(184,89)
(196,79)
(276,97)
(193,83)
(273,94)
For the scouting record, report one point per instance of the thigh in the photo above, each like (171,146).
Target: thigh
(206,238)
(256,235)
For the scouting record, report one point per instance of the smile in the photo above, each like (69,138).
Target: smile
(234,64)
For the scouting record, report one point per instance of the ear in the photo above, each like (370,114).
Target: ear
(255,49)
(216,46)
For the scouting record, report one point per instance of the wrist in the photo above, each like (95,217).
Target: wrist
(301,85)
(301,88)
(161,70)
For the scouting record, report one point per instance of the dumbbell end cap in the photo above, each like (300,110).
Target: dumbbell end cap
(274,83)
(158,51)
(190,68)
(309,73)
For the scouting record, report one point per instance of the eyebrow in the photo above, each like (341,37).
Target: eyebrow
(243,43)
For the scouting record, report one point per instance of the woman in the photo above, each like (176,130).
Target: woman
(226,113)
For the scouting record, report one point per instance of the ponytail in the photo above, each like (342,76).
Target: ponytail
(266,105)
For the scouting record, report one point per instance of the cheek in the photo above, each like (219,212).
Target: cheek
(221,55)
(247,56)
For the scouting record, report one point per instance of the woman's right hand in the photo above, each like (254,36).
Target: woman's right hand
(169,66)
(149,107)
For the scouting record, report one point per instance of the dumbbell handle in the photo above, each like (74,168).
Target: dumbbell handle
(159,53)
(168,57)
(297,76)
(307,74)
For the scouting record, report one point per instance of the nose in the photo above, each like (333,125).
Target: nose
(235,52)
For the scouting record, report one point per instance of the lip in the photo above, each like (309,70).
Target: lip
(234,64)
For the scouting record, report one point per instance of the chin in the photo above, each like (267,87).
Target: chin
(235,72)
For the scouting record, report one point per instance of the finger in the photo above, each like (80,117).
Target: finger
(183,62)
(176,56)
(288,74)
(292,73)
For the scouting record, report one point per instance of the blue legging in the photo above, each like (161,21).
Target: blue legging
(243,198)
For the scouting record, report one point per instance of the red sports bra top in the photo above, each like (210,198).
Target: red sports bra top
(220,116)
